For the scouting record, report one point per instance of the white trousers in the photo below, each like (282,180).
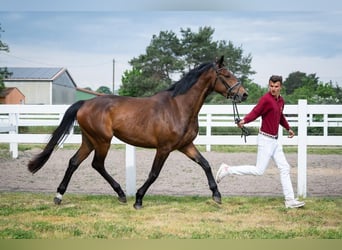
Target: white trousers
(268,148)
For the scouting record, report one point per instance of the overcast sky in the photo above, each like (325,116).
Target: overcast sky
(86,40)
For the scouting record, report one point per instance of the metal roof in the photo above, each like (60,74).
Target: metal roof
(6,91)
(34,73)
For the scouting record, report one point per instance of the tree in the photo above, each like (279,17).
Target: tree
(237,63)
(299,85)
(254,90)
(338,94)
(3,71)
(104,90)
(134,84)
(326,93)
(3,74)
(293,81)
(153,71)
(198,47)
(161,58)
(168,57)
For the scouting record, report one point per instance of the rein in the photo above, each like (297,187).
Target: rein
(237,119)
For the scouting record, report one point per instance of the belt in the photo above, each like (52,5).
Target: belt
(268,135)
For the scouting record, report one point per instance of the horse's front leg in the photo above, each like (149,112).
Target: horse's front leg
(192,152)
(158,163)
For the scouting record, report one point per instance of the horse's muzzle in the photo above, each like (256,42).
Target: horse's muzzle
(239,98)
(244,97)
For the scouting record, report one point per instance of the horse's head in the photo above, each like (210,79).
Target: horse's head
(227,84)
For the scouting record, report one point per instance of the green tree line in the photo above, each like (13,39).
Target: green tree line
(168,57)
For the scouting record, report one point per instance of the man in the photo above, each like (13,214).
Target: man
(270,108)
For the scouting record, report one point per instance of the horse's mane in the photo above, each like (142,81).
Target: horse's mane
(183,85)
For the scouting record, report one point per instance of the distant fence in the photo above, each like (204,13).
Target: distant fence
(302,116)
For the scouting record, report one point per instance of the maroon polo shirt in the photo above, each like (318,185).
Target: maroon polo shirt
(271,111)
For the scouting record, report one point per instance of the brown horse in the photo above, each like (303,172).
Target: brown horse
(166,121)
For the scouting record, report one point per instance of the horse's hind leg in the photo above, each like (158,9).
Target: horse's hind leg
(74,162)
(192,152)
(98,164)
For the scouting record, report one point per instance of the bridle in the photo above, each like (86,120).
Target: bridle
(229,88)
(237,119)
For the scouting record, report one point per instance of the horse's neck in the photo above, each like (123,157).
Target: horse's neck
(193,101)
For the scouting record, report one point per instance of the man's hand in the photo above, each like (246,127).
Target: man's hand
(241,123)
(291,133)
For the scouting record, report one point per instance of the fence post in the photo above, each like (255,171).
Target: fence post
(13,120)
(130,170)
(302,148)
(326,125)
(208,131)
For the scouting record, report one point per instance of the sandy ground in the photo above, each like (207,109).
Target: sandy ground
(180,176)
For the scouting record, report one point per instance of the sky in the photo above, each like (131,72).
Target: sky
(95,41)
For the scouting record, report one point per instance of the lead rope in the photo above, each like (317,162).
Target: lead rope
(244,130)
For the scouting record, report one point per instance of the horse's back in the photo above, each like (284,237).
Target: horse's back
(133,120)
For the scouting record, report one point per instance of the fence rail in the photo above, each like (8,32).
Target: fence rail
(301,116)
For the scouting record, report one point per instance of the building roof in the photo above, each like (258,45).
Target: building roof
(34,73)
(59,76)
(7,91)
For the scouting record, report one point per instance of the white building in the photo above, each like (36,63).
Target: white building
(43,85)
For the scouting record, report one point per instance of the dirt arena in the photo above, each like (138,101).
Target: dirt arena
(180,176)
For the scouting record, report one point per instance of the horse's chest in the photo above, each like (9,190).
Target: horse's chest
(190,131)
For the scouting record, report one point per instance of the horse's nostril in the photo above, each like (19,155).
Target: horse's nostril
(244,96)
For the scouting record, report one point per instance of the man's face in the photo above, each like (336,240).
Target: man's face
(274,88)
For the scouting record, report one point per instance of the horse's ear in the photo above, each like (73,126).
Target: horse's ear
(220,62)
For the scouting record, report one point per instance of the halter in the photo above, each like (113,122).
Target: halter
(237,119)
(229,88)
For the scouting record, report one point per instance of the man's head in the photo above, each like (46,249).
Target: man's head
(274,85)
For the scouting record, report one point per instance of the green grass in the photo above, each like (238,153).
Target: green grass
(34,216)
(215,148)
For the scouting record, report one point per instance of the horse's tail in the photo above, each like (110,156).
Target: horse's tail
(57,136)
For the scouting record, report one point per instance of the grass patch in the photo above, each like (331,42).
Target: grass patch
(320,150)
(34,216)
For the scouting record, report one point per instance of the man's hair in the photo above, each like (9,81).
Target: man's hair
(276,78)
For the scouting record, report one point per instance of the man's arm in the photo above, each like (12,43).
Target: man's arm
(254,114)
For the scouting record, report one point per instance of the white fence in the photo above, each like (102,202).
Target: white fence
(302,116)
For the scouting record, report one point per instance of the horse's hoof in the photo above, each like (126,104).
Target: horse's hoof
(122,199)
(217,199)
(57,201)
(137,206)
